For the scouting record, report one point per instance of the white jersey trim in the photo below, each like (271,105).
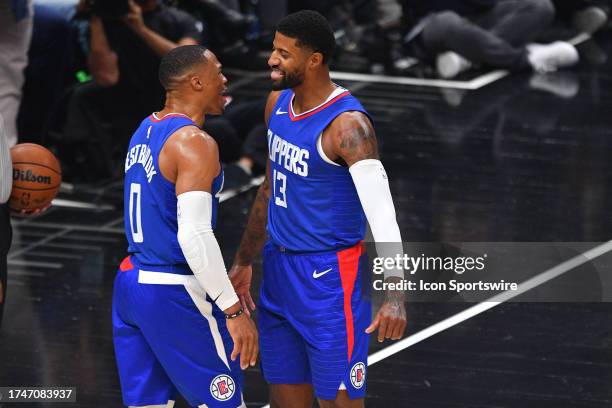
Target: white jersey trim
(198,296)
(164,278)
(335,93)
(322,152)
(167,114)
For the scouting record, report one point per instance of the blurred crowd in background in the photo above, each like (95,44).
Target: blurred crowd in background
(79,76)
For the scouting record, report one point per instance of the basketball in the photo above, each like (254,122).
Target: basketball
(36,177)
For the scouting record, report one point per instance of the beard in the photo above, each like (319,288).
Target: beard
(290,80)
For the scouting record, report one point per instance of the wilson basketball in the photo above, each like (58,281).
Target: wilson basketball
(36,177)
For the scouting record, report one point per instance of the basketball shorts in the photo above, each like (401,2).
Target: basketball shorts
(313,312)
(170,337)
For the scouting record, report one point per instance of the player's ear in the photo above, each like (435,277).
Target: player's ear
(196,83)
(316,59)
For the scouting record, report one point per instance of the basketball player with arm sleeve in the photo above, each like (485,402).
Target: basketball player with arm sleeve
(177,322)
(324,178)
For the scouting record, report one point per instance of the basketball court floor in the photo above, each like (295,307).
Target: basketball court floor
(521,157)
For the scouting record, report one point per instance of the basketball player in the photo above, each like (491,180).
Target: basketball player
(177,322)
(323,175)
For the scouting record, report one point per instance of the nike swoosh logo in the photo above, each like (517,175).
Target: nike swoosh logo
(318,275)
(280,112)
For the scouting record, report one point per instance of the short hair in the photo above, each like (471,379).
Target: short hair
(311,30)
(179,61)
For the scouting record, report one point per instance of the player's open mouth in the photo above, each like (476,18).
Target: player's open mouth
(226,98)
(276,74)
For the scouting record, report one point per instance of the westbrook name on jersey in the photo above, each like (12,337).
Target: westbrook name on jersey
(314,206)
(169,336)
(150,200)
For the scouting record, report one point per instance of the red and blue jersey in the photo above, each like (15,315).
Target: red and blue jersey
(314,206)
(150,200)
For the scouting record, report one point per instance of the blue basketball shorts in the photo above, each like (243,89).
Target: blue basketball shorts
(314,309)
(170,337)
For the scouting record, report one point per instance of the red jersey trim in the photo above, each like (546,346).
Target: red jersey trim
(348,263)
(126,264)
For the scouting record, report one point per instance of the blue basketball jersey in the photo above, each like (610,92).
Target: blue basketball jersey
(150,200)
(314,205)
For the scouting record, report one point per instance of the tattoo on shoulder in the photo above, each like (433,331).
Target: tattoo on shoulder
(357,140)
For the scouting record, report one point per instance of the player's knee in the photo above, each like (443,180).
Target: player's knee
(341,404)
(291,396)
(342,401)
(327,404)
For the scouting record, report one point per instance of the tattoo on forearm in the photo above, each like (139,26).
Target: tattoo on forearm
(255,234)
(395,296)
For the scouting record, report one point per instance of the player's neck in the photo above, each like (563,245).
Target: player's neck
(173,106)
(312,94)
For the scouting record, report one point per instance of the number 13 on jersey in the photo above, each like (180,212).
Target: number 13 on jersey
(279,180)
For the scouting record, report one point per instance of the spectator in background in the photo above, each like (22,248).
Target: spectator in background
(496,33)
(15,34)
(241,135)
(124,55)
(368,34)
(225,23)
(48,71)
(586,16)
(67,8)
(235,29)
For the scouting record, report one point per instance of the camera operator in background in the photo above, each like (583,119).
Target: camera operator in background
(127,40)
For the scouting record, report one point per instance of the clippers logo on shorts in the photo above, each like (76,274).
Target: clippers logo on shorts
(222,387)
(358,374)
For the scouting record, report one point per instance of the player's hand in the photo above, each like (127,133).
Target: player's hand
(134,18)
(246,342)
(29,213)
(241,276)
(391,318)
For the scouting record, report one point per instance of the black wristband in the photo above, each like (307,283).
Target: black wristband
(234,315)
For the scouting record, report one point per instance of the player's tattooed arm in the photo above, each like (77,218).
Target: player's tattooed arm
(350,138)
(252,241)
(255,234)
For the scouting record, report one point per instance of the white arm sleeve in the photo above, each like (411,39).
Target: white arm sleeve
(372,187)
(200,247)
